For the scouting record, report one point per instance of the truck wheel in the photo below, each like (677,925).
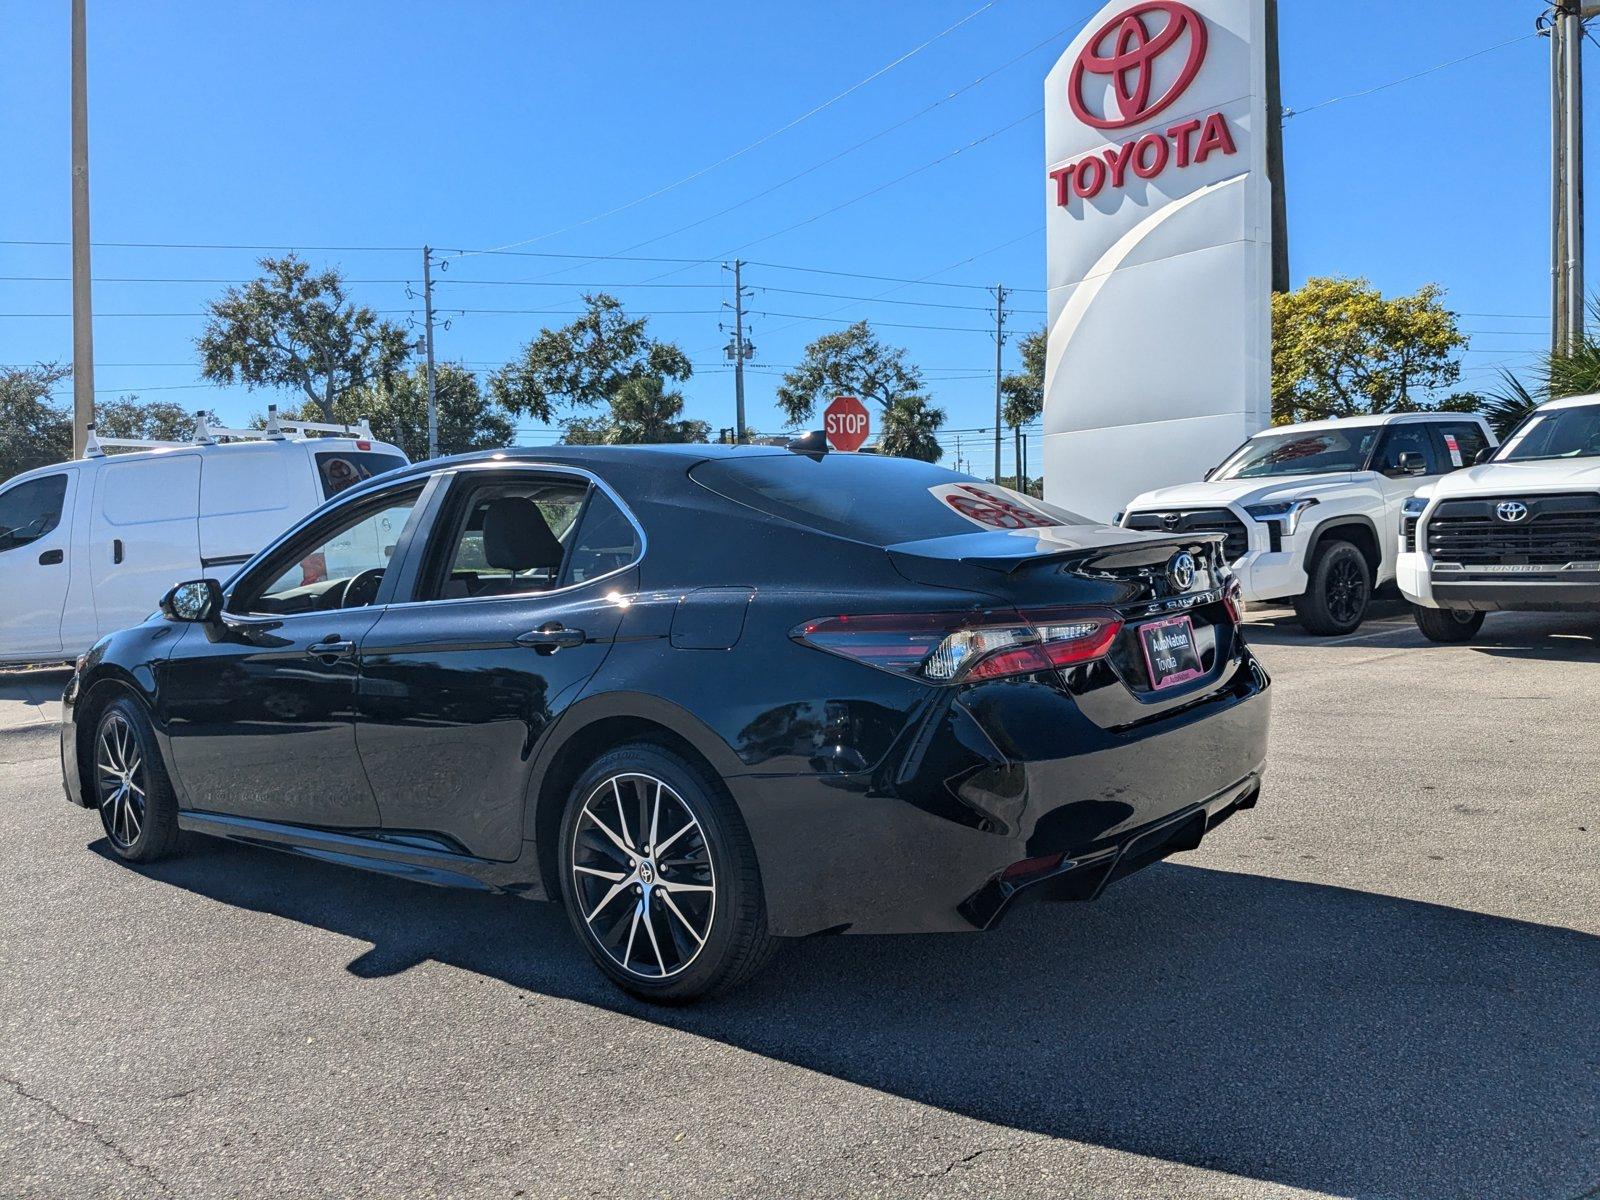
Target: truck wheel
(660,879)
(129,785)
(1339,590)
(1447,625)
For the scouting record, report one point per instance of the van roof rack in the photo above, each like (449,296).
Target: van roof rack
(208,434)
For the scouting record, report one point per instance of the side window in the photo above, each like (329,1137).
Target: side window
(1462,442)
(30,510)
(509,537)
(332,567)
(341,469)
(606,541)
(1404,439)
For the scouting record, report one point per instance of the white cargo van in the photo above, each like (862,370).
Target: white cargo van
(91,545)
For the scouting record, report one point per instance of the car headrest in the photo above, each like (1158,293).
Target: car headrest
(516,537)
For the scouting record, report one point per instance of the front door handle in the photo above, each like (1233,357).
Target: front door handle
(331,648)
(51,557)
(547,639)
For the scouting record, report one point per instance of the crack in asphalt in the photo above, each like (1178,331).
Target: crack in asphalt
(92,1129)
(967,1159)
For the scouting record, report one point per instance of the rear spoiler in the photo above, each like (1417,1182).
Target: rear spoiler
(1104,548)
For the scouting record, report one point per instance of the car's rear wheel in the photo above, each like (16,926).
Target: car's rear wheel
(660,878)
(137,807)
(1338,591)
(1447,625)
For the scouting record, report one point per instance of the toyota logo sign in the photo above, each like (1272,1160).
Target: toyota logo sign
(1126,49)
(1181,571)
(1511,511)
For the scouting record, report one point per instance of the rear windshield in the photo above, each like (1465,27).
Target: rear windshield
(340,469)
(875,499)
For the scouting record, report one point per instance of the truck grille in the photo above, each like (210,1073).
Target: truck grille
(1198,520)
(1408,535)
(1556,531)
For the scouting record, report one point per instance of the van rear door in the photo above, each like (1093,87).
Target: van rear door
(144,534)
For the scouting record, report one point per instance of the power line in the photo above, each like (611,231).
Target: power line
(1295,112)
(760,141)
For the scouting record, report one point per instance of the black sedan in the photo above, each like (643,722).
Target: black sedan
(705,697)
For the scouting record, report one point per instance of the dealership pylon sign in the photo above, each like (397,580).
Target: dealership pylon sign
(1160,248)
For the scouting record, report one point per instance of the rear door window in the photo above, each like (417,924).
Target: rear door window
(1462,441)
(508,537)
(30,510)
(875,499)
(606,540)
(342,469)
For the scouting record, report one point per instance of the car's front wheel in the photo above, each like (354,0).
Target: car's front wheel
(1338,591)
(130,787)
(1447,625)
(660,878)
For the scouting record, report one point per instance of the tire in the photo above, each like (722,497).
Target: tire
(1338,592)
(663,937)
(130,786)
(1447,626)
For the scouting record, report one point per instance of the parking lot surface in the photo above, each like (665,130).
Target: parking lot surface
(1382,982)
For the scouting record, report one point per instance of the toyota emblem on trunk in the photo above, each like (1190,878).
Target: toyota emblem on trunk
(1511,511)
(1180,570)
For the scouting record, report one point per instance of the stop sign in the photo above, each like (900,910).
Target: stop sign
(846,423)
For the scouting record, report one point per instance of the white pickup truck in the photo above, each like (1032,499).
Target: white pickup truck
(1310,511)
(1519,532)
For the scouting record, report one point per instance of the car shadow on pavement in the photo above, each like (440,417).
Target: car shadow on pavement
(1314,1036)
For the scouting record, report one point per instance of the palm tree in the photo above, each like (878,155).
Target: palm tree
(1509,404)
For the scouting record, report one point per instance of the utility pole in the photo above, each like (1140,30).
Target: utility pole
(999,342)
(739,350)
(1566,33)
(1280,204)
(82,301)
(427,317)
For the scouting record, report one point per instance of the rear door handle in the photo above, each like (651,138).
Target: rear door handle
(51,557)
(331,648)
(550,638)
(116,550)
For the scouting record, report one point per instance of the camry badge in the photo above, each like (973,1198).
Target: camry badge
(1180,571)
(1511,511)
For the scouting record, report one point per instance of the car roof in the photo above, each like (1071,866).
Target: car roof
(1369,421)
(1572,402)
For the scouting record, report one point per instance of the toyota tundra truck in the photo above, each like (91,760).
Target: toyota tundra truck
(1310,511)
(1519,532)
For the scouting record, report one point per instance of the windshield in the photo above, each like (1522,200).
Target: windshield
(1301,452)
(876,499)
(1561,433)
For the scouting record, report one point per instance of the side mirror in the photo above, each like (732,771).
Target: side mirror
(199,600)
(1411,462)
(1484,455)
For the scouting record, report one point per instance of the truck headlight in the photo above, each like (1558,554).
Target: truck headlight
(1286,511)
(1415,506)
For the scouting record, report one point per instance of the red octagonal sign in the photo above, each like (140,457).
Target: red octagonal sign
(846,423)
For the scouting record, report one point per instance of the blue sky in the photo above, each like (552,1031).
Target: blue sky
(484,124)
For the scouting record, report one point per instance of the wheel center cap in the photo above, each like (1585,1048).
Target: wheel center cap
(647,873)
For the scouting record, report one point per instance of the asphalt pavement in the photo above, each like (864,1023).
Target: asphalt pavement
(1382,982)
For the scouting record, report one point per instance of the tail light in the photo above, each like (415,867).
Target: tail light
(1233,601)
(970,646)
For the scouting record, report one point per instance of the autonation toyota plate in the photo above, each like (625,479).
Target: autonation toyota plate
(1170,652)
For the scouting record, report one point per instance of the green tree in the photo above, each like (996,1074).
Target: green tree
(1575,373)
(1340,349)
(398,412)
(582,365)
(34,430)
(158,420)
(643,412)
(853,362)
(1022,392)
(295,328)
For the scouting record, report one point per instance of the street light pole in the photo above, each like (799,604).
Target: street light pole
(82,301)
(999,343)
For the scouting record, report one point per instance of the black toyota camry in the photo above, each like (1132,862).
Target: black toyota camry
(704,697)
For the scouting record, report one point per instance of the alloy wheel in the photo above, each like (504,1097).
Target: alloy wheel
(120,780)
(1347,591)
(642,874)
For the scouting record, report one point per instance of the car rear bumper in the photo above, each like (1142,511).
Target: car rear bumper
(1466,589)
(950,834)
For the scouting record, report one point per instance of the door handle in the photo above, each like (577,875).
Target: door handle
(51,557)
(547,639)
(116,550)
(331,648)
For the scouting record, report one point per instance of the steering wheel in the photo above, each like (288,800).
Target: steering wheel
(362,589)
